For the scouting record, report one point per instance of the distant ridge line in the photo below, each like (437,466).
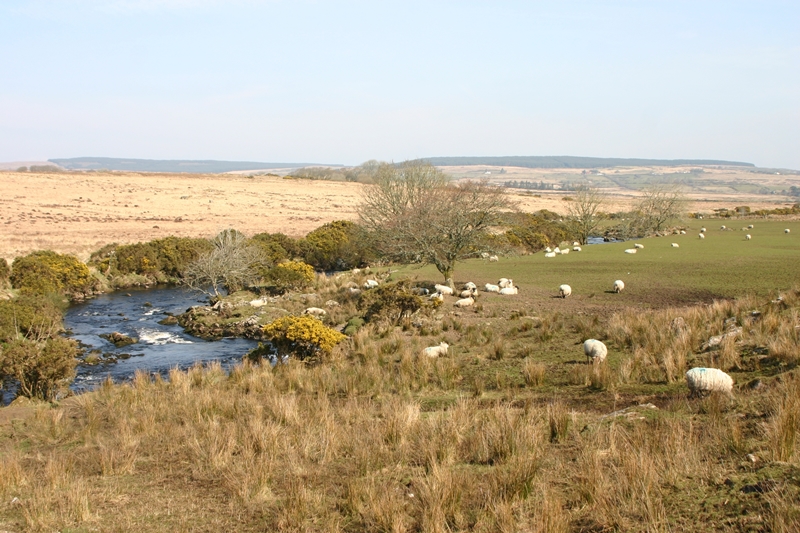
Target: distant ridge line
(568,161)
(209,166)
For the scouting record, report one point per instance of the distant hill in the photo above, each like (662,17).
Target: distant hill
(568,161)
(167,165)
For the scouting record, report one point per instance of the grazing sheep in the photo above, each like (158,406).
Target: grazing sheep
(576,248)
(702,380)
(509,290)
(787,230)
(675,245)
(701,236)
(315,311)
(494,258)
(595,351)
(748,237)
(465,302)
(436,351)
(370,284)
(550,254)
(564,290)
(443,289)
(619,285)
(637,245)
(630,251)
(492,288)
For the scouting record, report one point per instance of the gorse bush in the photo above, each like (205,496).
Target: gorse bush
(5,271)
(290,275)
(338,245)
(46,272)
(302,336)
(169,256)
(277,246)
(32,316)
(40,370)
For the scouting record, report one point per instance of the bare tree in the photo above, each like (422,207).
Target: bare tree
(231,264)
(584,212)
(415,215)
(661,204)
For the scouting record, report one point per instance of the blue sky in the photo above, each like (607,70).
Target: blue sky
(346,81)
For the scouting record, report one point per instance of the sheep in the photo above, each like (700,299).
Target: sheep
(260,302)
(702,380)
(548,250)
(630,251)
(420,291)
(492,288)
(637,245)
(332,303)
(723,228)
(576,248)
(437,296)
(576,243)
(484,255)
(550,254)
(700,235)
(595,351)
(557,250)
(370,284)
(748,237)
(470,285)
(509,290)
(494,258)
(750,226)
(564,290)
(787,230)
(619,285)
(565,251)
(465,302)
(505,282)
(702,230)
(466,293)
(683,232)
(315,311)
(443,289)
(354,290)
(436,351)
(675,245)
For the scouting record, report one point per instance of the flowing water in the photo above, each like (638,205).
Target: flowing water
(137,313)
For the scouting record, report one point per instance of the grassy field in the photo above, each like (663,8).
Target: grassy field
(511,431)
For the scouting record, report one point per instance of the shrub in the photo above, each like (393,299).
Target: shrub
(46,272)
(39,370)
(353,325)
(291,275)
(32,316)
(338,245)
(5,271)
(277,246)
(301,336)
(390,301)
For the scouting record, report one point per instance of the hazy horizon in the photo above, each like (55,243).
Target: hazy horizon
(344,82)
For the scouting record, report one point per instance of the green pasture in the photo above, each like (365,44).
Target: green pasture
(723,265)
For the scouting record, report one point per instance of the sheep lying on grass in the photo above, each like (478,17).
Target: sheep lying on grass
(315,311)
(619,285)
(576,248)
(465,302)
(595,351)
(637,245)
(436,351)
(494,258)
(550,254)
(443,289)
(370,284)
(702,380)
(509,290)
(630,251)
(675,245)
(505,282)
(787,230)
(437,296)
(492,288)
(564,290)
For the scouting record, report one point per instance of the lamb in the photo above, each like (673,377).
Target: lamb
(702,380)
(494,258)
(443,289)
(550,254)
(315,311)
(701,236)
(630,251)
(595,350)
(675,245)
(370,284)
(576,248)
(637,245)
(509,290)
(492,288)
(436,351)
(748,237)
(787,230)
(619,285)
(564,290)
(465,302)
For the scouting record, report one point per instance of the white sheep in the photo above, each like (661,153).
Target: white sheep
(548,249)
(492,288)
(787,230)
(576,243)
(748,237)
(370,284)
(683,232)
(564,290)
(565,251)
(420,291)
(702,230)
(639,246)
(315,311)
(550,254)
(750,226)
(509,290)
(436,351)
(437,296)
(557,250)
(443,289)
(723,228)
(675,245)
(466,293)
(484,255)
(261,302)
(700,235)
(505,282)
(702,380)
(494,258)
(470,285)
(630,251)
(576,248)
(595,350)
(354,290)
(619,285)
(465,302)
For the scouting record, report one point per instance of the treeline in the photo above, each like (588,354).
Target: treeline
(574,162)
(362,173)
(530,185)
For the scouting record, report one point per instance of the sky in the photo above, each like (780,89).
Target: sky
(347,81)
